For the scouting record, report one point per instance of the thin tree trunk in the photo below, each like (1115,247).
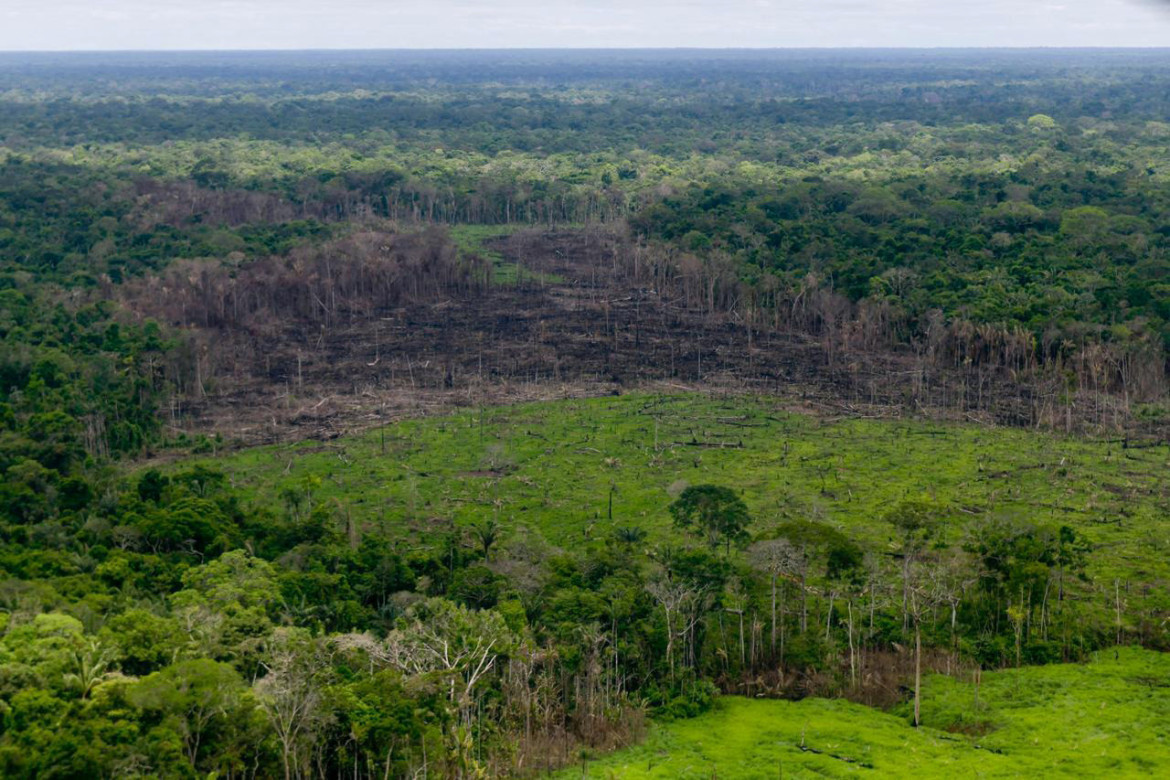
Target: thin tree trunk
(782,627)
(852,651)
(917,674)
(773,615)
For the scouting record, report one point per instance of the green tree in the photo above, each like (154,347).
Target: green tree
(146,642)
(714,511)
(193,695)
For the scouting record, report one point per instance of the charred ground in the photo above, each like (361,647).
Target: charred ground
(588,312)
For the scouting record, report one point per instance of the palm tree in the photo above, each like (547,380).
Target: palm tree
(629,535)
(488,532)
(92,666)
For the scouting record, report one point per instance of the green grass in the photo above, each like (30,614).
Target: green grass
(473,239)
(1110,718)
(550,467)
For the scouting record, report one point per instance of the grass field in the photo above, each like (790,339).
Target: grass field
(553,467)
(1110,718)
(470,238)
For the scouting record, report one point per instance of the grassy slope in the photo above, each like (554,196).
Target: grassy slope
(474,238)
(1107,719)
(550,467)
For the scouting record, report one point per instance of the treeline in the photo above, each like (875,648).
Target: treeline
(353,277)
(1008,274)
(159,626)
(1076,381)
(79,382)
(71,226)
(1064,299)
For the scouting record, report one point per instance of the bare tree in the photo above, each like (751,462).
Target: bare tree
(735,601)
(291,693)
(922,597)
(459,646)
(915,523)
(454,646)
(780,560)
(673,597)
(949,579)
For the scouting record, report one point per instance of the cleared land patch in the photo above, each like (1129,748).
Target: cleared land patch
(576,470)
(1102,719)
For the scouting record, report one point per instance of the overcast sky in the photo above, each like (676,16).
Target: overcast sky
(285,24)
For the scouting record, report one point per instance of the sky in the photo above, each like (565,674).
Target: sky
(58,25)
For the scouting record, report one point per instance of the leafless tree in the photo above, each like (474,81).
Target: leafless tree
(456,645)
(297,668)
(674,598)
(780,560)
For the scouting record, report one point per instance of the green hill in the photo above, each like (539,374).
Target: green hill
(1104,719)
(555,467)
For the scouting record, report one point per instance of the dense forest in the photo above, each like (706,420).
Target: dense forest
(200,252)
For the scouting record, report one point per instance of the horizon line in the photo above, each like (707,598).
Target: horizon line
(329,49)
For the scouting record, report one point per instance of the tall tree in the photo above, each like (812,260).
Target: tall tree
(714,511)
(291,694)
(779,559)
(915,523)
